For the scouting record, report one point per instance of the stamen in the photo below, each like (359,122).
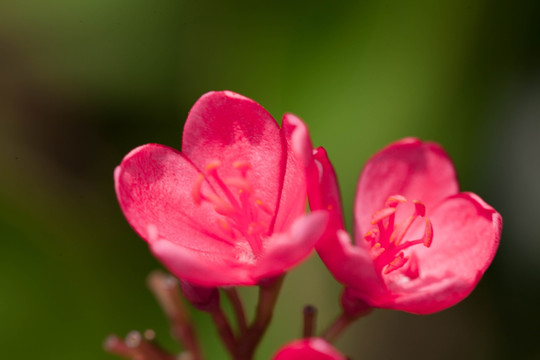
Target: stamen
(371,235)
(377,250)
(382,214)
(254,237)
(242,166)
(197,195)
(394,200)
(428,235)
(211,169)
(221,206)
(264,207)
(387,239)
(232,197)
(212,166)
(395,264)
(239,183)
(225,225)
(419,208)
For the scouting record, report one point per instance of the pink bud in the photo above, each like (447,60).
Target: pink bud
(308,349)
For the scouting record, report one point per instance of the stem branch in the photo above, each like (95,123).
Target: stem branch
(224,330)
(238,308)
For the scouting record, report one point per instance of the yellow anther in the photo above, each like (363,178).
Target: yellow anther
(241,165)
(382,214)
(264,207)
(196,193)
(224,224)
(395,264)
(428,235)
(394,200)
(377,250)
(213,165)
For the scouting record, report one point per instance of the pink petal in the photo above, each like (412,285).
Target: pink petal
(323,189)
(352,265)
(292,202)
(467,233)
(308,349)
(154,185)
(417,170)
(229,127)
(195,267)
(429,296)
(285,250)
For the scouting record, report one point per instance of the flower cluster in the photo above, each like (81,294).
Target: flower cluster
(228,210)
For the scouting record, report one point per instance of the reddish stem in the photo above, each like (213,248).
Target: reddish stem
(224,330)
(268,295)
(167,291)
(310,317)
(238,308)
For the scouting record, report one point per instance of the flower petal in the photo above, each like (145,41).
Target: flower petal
(154,186)
(352,265)
(298,147)
(285,250)
(229,127)
(417,170)
(211,271)
(323,189)
(308,349)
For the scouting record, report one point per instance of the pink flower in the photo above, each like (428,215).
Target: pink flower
(308,349)
(420,245)
(228,209)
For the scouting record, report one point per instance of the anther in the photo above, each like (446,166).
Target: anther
(382,214)
(212,166)
(225,225)
(395,264)
(371,235)
(428,235)
(241,165)
(264,207)
(377,250)
(394,200)
(196,193)
(419,208)
(221,206)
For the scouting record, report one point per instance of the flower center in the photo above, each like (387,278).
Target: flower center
(387,238)
(234,200)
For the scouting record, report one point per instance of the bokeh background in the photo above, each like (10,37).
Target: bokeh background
(83,82)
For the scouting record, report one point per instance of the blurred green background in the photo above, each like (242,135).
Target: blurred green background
(83,82)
